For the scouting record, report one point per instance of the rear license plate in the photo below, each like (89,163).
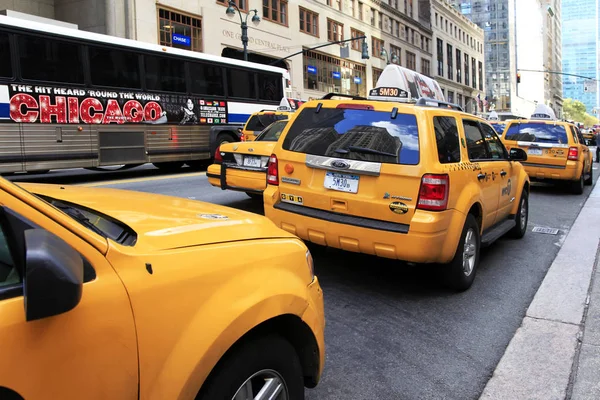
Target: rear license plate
(342,182)
(250,161)
(535,152)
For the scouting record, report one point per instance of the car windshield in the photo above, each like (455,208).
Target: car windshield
(355,134)
(95,221)
(260,122)
(273,131)
(498,127)
(537,132)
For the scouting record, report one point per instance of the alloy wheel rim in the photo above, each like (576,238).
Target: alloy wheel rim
(469,252)
(266,384)
(523,213)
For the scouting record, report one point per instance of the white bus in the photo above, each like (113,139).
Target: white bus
(71,99)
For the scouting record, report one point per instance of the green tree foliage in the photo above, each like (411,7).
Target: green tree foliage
(575,110)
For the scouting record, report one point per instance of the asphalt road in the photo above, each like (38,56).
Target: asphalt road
(393,331)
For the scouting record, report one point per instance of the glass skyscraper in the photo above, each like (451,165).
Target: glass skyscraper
(579,50)
(492,17)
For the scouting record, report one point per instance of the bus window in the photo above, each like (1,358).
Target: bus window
(116,68)
(240,84)
(269,87)
(45,59)
(207,79)
(165,74)
(5,65)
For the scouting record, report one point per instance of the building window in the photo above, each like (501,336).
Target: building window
(450,97)
(440,57)
(356,44)
(474,73)
(351,7)
(411,61)
(242,4)
(450,58)
(376,74)
(467,82)
(397,28)
(372,16)
(377,46)
(398,52)
(309,22)
(360,10)
(380,20)
(276,11)
(480,75)
(186,29)
(425,67)
(459,99)
(329,74)
(338,4)
(458,66)
(335,31)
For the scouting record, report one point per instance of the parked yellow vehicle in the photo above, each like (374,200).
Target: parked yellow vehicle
(260,120)
(243,166)
(108,294)
(422,182)
(556,150)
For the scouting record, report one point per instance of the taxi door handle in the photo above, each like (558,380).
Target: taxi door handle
(502,173)
(481,176)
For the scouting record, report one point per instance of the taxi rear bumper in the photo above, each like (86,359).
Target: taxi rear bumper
(547,172)
(431,237)
(233,177)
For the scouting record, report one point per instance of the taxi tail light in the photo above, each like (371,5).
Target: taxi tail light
(272,171)
(573,154)
(434,191)
(218,156)
(351,106)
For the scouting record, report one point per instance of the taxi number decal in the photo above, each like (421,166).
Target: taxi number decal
(291,198)
(389,92)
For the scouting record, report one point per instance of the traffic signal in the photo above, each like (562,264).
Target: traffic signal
(365,50)
(518,77)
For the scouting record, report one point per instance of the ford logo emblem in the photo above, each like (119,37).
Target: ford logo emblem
(340,164)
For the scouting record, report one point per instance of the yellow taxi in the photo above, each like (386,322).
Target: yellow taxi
(243,166)
(424,182)
(498,126)
(260,120)
(109,294)
(556,150)
(589,135)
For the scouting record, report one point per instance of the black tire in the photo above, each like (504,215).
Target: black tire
(455,276)
(521,227)
(223,138)
(577,186)
(199,164)
(590,180)
(255,196)
(170,166)
(267,353)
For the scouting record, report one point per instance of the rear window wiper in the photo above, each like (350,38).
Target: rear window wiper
(78,216)
(365,150)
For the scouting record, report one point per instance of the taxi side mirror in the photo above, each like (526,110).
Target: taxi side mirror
(53,280)
(517,154)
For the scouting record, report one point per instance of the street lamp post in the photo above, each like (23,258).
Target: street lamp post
(386,57)
(243,22)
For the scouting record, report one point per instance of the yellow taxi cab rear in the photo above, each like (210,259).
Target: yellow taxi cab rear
(109,294)
(423,183)
(556,150)
(260,120)
(243,166)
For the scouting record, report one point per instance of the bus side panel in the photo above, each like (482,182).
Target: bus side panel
(120,144)
(53,146)
(177,143)
(200,142)
(11,150)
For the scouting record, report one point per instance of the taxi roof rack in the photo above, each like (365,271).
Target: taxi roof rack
(328,96)
(428,102)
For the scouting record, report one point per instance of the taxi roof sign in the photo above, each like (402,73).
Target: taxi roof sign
(543,111)
(493,116)
(289,104)
(401,84)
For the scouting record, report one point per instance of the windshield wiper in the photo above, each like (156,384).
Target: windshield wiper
(364,150)
(78,216)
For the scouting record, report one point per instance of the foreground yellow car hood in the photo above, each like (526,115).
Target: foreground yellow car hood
(251,148)
(165,222)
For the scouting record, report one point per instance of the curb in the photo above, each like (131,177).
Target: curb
(538,361)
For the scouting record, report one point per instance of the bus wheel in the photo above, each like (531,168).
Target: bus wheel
(169,166)
(199,164)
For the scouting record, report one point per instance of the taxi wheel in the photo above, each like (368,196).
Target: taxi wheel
(590,181)
(268,364)
(577,186)
(521,218)
(460,273)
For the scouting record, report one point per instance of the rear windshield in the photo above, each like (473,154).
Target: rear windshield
(273,131)
(537,132)
(499,128)
(260,122)
(356,135)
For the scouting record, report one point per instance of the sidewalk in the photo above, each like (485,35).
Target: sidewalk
(555,353)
